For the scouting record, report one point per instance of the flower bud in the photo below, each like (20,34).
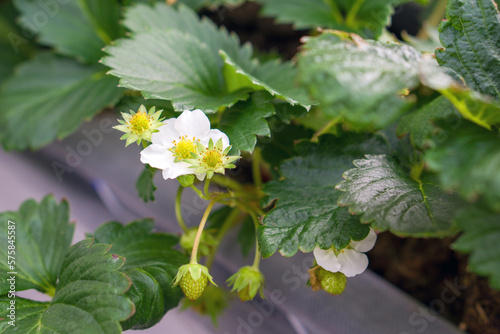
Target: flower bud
(246,282)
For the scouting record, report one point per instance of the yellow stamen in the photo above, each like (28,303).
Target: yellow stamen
(212,158)
(184,147)
(140,122)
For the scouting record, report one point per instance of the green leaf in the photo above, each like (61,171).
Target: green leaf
(474,107)
(383,193)
(469,161)
(133,103)
(75,28)
(165,73)
(286,112)
(27,312)
(306,213)
(481,232)
(471,38)
(151,264)
(365,17)
(194,4)
(280,145)
(14,46)
(145,185)
(49,98)
(478,108)
(199,4)
(42,235)
(246,120)
(420,124)
(276,77)
(89,296)
(184,66)
(360,81)
(141,19)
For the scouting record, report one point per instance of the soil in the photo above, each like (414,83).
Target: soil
(425,268)
(429,271)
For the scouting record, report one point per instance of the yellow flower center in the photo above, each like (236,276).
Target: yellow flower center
(139,123)
(212,158)
(184,147)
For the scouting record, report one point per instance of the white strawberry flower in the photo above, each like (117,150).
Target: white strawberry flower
(177,140)
(350,261)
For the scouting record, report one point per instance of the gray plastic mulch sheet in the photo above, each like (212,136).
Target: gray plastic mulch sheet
(97,174)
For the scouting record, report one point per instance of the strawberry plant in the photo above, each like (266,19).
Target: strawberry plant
(357,134)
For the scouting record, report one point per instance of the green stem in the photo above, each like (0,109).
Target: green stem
(198,191)
(256,172)
(194,253)
(51,291)
(351,15)
(335,11)
(416,171)
(205,188)
(325,129)
(227,182)
(103,35)
(258,254)
(230,220)
(178,211)
(437,14)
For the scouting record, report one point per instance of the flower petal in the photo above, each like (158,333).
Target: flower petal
(216,135)
(177,169)
(157,156)
(366,244)
(201,176)
(166,134)
(193,124)
(327,259)
(352,262)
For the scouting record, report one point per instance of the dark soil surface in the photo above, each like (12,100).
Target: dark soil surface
(429,271)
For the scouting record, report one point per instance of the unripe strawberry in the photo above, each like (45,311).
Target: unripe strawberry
(321,279)
(193,279)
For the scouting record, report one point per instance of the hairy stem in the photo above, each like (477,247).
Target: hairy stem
(258,254)
(198,191)
(205,188)
(194,253)
(351,15)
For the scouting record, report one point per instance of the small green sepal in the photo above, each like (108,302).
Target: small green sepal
(193,279)
(246,282)
(186,180)
(139,126)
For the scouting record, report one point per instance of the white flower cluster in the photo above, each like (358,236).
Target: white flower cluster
(186,145)
(350,261)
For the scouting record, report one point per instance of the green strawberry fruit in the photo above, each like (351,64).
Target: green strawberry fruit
(321,279)
(193,279)
(193,289)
